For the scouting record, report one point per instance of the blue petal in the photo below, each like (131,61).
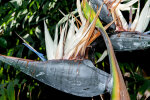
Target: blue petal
(39,54)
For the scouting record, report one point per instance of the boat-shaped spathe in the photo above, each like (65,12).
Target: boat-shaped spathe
(77,77)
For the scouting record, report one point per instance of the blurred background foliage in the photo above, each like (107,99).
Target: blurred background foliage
(25,17)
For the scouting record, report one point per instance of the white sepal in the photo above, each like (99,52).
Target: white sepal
(49,43)
(144,18)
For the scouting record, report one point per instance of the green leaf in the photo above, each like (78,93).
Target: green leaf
(37,4)
(1,71)
(31,4)
(2,94)
(19,54)
(145,86)
(16,81)
(3,42)
(38,33)
(11,91)
(10,52)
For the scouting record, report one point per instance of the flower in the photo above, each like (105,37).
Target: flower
(141,20)
(73,40)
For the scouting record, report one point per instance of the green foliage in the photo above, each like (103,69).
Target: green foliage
(25,17)
(3,42)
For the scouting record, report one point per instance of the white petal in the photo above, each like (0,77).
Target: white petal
(134,24)
(49,43)
(83,20)
(70,35)
(127,5)
(55,40)
(74,41)
(102,56)
(144,18)
(123,21)
(79,48)
(78,37)
(123,0)
(60,48)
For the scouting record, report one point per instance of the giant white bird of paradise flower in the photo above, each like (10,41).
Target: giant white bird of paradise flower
(73,40)
(61,71)
(140,21)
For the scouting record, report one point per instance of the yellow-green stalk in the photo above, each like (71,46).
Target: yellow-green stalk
(119,90)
